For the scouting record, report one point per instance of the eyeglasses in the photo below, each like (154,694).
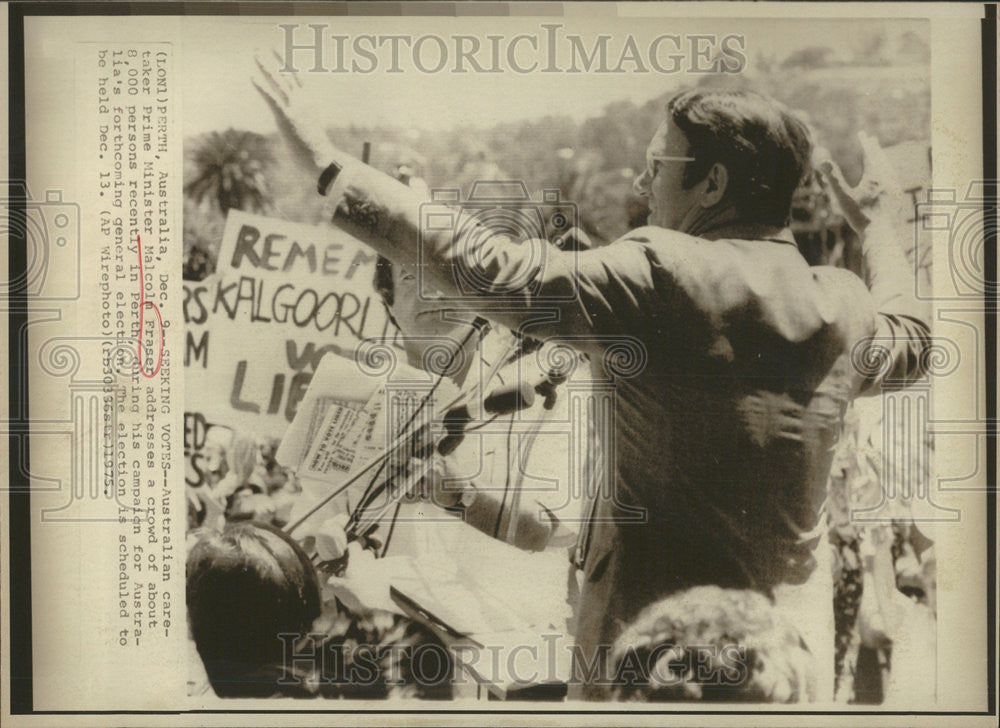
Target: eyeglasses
(654,158)
(644,179)
(664,158)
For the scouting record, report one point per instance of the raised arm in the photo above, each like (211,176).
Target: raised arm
(584,296)
(877,210)
(581,296)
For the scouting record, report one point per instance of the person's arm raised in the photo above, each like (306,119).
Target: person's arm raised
(307,140)
(877,209)
(566,293)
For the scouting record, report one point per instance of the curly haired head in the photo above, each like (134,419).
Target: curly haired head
(714,644)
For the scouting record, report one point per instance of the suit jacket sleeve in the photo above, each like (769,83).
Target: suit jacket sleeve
(593,297)
(585,296)
(899,351)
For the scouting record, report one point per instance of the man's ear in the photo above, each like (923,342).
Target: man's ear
(716,182)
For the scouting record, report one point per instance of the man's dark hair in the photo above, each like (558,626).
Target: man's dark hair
(245,587)
(765,149)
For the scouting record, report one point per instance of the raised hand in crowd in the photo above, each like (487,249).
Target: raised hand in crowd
(284,94)
(878,200)
(241,457)
(882,215)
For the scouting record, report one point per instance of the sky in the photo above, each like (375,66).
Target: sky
(218,64)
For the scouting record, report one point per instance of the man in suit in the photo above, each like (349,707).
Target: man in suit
(745,357)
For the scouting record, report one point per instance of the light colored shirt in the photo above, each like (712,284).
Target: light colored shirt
(528,462)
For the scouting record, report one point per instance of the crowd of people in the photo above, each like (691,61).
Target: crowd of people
(698,525)
(241,481)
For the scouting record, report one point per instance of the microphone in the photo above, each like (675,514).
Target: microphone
(509,398)
(455,421)
(503,400)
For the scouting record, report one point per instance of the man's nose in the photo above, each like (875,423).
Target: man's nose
(641,184)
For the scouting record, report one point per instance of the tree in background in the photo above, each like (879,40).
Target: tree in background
(229,168)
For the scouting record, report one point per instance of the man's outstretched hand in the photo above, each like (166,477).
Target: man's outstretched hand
(285,96)
(878,199)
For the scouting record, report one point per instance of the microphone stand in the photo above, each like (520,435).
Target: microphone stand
(404,439)
(355,522)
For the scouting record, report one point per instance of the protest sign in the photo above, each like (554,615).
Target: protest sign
(284,296)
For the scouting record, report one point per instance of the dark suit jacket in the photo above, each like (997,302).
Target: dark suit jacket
(736,361)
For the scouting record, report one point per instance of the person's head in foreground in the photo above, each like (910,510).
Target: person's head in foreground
(723,157)
(712,644)
(246,586)
(433,330)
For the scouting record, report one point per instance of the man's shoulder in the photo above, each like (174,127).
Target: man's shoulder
(687,259)
(659,237)
(725,268)
(719,252)
(755,282)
